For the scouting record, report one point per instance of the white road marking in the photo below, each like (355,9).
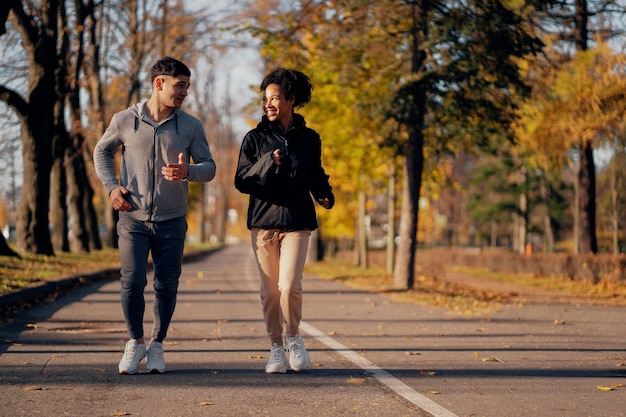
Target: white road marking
(380,374)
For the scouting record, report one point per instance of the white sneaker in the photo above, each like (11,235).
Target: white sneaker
(298,356)
(155,363)
(133,354)
(278,360)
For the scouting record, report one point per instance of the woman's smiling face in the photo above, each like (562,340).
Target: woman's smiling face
(276,107)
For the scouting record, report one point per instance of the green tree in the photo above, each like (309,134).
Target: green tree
(463,86)
(454,68)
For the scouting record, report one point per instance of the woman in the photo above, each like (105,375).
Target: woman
(280,167)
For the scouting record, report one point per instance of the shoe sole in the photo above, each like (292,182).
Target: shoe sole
(276,372)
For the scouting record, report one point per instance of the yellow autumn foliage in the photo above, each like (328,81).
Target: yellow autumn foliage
(582,100)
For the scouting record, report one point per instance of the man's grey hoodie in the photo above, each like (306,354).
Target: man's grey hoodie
(146,148)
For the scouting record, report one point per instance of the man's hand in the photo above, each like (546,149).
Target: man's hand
(117,199)
(176,172)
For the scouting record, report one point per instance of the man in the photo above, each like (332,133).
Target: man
(158,141)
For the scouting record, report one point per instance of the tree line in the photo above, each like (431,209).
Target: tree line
(487,112)
(480,119)
(75,63)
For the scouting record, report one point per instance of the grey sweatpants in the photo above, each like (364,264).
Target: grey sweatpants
(166,241)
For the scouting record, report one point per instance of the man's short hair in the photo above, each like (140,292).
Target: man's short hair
(169,66)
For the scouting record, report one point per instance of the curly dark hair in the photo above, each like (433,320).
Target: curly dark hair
(293,84)
(169,66)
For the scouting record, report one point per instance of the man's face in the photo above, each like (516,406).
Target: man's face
(172,90)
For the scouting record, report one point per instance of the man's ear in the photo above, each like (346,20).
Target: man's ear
(158,83)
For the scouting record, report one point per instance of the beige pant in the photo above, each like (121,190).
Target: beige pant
(280,257)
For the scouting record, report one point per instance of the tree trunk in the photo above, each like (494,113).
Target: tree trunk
(58,190)
(37,128)
(587,194)
(547,223)
(391,217)
(58,207)
(404,273)
(76,188)
(33,235)
(362,234)
(575,208)
(587,170)
(5,249)
(523,223)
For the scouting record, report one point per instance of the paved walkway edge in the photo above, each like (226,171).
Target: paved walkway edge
(46,291)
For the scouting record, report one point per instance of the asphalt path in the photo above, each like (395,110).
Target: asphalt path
(371,356)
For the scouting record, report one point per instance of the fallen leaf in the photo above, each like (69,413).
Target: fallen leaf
(412,353)
(255,357)
(432,392)
(558,322)
(604,388)
(476,354)
(492,359)
(429,373)
(618,385)
(353,380)
(31,325)
(119,413)
(205,403)
(170,343)
(200,274)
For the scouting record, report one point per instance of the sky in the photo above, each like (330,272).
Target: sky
(239,71)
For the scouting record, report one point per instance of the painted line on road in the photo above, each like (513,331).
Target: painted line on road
(377,372)
(380,374)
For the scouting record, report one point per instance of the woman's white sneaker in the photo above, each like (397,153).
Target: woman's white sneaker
(278,360)
(298,356)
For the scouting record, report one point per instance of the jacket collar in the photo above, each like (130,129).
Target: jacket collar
(297,123)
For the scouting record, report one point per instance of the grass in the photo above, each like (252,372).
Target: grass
(427,290)
(460,298)
(603,290)
(19,273)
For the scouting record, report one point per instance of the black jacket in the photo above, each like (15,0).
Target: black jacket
(280,196)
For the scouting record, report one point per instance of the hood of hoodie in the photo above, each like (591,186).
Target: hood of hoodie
(139,110)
